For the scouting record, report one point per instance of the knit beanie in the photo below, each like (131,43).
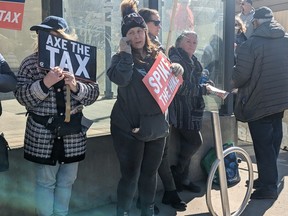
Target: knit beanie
(130,17)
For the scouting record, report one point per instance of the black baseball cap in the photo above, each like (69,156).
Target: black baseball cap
(51,23)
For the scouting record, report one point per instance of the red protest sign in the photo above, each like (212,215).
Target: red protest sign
(11,14)
(161,82)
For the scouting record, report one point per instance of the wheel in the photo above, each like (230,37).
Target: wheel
(214,167)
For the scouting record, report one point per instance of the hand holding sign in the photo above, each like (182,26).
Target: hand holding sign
(53,76)
(70,80)
(177,69)
(162,82)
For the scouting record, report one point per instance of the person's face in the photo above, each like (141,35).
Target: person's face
(189,44)
(245,6)
(154,25)
(137,37)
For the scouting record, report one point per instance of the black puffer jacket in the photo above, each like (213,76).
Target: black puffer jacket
(261,73)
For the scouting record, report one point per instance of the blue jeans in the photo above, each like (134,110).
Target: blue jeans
(54,187)
(267,136)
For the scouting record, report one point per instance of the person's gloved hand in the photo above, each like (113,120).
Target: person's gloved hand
(177,69)
(124,45)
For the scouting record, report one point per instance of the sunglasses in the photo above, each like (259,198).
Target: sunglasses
(156,22)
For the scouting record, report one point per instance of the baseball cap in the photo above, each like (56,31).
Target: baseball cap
(51,23)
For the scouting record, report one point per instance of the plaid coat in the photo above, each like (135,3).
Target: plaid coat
(39,141)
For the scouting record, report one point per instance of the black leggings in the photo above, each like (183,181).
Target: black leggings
(139,161)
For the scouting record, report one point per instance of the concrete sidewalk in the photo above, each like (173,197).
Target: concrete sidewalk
(13,124)
(197,202)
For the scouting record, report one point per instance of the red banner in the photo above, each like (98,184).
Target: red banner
(161,82)
(11,14)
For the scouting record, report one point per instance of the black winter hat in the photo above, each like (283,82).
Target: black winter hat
(131,18)
(263,13)
(130,21)
(51,23)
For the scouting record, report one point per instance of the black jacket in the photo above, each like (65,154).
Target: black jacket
(186,109)
(261,73)
(133,98)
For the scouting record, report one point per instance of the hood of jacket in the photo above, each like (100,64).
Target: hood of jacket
(270,29)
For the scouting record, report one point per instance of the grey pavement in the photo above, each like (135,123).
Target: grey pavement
(197,202)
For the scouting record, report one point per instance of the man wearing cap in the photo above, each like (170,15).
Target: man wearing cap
(246,16)
(55,153)
(261,76)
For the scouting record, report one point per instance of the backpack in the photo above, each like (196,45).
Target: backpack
(231,165)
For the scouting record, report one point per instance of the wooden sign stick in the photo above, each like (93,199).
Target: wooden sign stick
(68,104)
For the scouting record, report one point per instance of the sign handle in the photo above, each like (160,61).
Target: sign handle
(67,104)
(171,28)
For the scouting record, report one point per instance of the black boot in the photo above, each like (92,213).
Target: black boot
(172,198)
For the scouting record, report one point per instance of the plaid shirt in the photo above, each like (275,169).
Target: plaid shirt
(38,142)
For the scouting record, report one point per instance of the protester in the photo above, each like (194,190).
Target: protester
(186,109)
(170,197)
(261,76)
(139,157)
(246,16)
(152,19)
(7,78)
(54,146)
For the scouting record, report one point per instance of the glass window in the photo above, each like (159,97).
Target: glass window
(15,45)
(205,17)
(98,23)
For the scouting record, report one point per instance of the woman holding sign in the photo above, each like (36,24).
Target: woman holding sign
(138,126)
(55,146)
(170,197)
(186,110)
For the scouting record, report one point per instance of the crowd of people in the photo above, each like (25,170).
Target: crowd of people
(259,75)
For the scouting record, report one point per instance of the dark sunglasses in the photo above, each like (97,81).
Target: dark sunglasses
(156,22)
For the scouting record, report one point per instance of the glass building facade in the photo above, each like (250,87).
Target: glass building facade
(98,23)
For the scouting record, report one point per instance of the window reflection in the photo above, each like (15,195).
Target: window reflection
(98,23)
(206,18)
